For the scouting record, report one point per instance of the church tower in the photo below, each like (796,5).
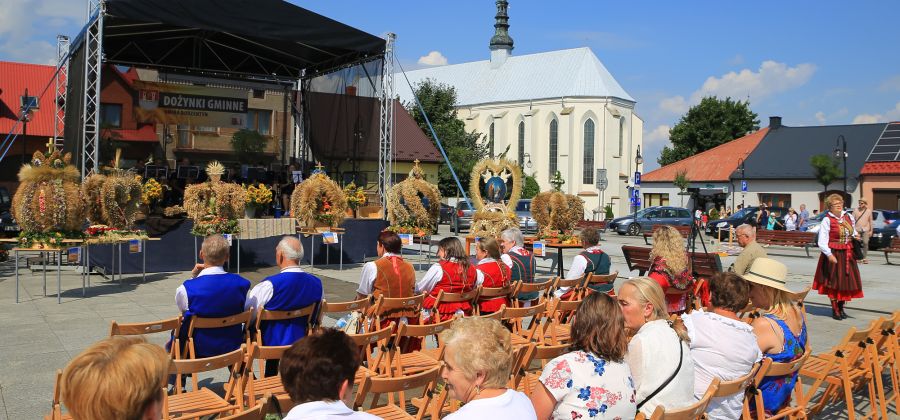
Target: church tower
(501,43)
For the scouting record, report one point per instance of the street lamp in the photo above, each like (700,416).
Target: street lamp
(840,152)
(743,194)
(638,160)
(527,156)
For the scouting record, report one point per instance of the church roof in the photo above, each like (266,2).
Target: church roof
(553,74)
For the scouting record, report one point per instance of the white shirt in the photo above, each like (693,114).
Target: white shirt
(181,297)
(579,264)
(825,230)
(511,404)
(326,410)
(790,222)
(722,348)
(653,356)
(369,272)
(506,258)
(260,295)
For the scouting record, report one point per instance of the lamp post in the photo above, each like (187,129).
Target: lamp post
(528,157)
(25,108)
(638,160)
(840,152)
(741,168)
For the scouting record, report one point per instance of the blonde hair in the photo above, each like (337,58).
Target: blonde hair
(668,244)
(649,291)
(215,249)
(490,246)
(480,345)
(115,378)
(832,198)
(780,302)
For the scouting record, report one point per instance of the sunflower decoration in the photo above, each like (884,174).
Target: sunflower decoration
(556,213)
(414,204)
(151,191)
(319,201)
(258,196)
(214,205)
(356,196)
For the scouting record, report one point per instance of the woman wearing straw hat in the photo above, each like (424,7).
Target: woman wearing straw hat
(837,274)
(780,331)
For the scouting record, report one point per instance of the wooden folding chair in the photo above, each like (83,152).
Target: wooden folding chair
(543,289)
(514,317)
(199,323)
(848,366)
(888,350)
(267,315)
(256,412)
(56,407)
(395,407)
(338,308)
(498,315)
(796,406)
(170,326)
(521,360)
(258,387)
(373,347)
(384,304)
(407,363)
(200,402)
(696,410)
(543,353)
(446,297)
(573,287)
(597,281)
(741,386)
(557,327)
(488,293)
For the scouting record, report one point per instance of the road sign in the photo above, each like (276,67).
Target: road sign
(725,189)
(637,178)
(602,182)
(744,187)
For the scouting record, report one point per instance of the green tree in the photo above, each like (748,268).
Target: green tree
(530,187)
(825,169)
(463,148)
(706,125)
(682,182)
(248,145)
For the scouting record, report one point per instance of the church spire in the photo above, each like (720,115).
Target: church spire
(501,43)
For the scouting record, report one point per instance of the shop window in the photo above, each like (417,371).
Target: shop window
(775,200)
(656,199)
(260,120)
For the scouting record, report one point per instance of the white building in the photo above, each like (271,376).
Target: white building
(556,111)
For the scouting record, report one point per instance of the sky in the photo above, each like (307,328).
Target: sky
(810,62)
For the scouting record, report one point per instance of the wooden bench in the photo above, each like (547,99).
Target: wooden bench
(685,232)
(894,247)
(787,238)
(600,226)
(702,264)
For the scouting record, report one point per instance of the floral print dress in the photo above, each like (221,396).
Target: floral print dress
(588,387)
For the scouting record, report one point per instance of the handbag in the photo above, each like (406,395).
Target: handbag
(664,384)
(857,249)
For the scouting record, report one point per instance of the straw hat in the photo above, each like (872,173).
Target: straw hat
(768,272)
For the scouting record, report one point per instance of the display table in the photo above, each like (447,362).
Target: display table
(44,252)
(312,234)
(559,247)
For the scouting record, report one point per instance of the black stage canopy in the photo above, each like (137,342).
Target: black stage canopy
(263,38)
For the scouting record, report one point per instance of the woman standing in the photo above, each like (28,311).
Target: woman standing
(837,274)
(452,274)
(790,221)
(491,273)
(762,218)
(669,266)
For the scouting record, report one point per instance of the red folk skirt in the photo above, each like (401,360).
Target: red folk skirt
(839,281)
(492,305)
(447,310)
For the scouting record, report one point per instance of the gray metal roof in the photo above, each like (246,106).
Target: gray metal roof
(553,74)
(785,151)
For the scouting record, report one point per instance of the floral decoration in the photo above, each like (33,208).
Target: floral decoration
(258,196)
(319,200)
(151,192)
(356,196)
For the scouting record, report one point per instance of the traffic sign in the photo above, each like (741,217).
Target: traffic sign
(744,187)
(602,182)
(637,177)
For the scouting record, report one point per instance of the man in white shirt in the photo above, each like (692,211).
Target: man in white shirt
(591,260)
(317,372)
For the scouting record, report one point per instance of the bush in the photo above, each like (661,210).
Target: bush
(531,187)
(609,213)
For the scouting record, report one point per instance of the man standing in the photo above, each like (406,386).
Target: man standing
(212,293)
(804,217)
(289,290)
(519,260)
(746,238)
(863,217)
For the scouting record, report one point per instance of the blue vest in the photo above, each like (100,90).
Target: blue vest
(598,263)
(215,296)
(523,269)
(290,291)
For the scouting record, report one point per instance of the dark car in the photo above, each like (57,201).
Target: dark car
(647,219)
(881,237)
(746,215)
(462,217)
(8,226)
(446,216)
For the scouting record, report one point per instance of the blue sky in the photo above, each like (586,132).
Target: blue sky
(813,63)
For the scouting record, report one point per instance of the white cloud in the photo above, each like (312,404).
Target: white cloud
(434,58)
(737,60)
(20,41)
(660,134)
(674,105)
(820,117)
(890,115)
(771,78)
(892,84)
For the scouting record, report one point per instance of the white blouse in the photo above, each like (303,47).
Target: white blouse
(825,231)
(653,356)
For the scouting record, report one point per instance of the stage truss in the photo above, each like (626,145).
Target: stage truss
(386,123)
(93,62)
(62,77)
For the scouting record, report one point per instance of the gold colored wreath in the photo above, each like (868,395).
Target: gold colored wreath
(221,199)
(319,200)
(495,166)
(120,198)
(405,207)
(491,223)
(557,211)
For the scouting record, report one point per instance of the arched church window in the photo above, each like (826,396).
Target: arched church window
(522,143)
(554,148)
(588,170)
(491,139)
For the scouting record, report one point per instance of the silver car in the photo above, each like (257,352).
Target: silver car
(523,212)
(462,217)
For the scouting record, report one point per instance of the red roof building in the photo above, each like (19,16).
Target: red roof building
(714,165)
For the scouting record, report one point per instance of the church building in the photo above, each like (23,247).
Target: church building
(556,111)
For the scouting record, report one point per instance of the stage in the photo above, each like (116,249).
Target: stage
(175,249)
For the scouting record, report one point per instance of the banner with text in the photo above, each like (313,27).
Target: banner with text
(190,105)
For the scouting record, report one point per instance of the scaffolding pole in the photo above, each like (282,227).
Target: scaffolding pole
(386,123)
(61,79)
(93,63)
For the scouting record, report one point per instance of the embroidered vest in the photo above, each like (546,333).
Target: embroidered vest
(523,269)
(393,283)
(496,274)
(840,231)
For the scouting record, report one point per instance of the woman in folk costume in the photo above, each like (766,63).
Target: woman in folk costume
(519,260)
(492,273)
(670,267)
(837,274)
(452,274)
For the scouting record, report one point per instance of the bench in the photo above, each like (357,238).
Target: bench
(894,247)
(702,264)
(787,238)
(685,232)
(600,226)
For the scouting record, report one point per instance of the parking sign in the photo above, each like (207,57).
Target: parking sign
(744,186)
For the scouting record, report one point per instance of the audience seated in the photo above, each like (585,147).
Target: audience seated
(591,260)
(781,331)
(453,274)
(492,273)
(669,266)
(317,372)
(592,381)
(212,293)
(120,377)
(477,363)
(658,354)
(288,290)
(722,345)
(389,276)
(519,260)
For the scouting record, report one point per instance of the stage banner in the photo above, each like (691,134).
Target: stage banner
(191,105)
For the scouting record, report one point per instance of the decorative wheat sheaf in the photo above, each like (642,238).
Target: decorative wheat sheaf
(49,197)
(557,211)
(405,202)
(120,197)
(309,197)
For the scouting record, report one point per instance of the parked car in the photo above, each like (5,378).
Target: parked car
(881,218)
(746,215)
(647,219)
(881,237)
(446,216)
(462,217)
(8,226)
(523,212)
(812,225)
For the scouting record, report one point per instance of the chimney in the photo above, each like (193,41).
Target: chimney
(501,44)
(774,123)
